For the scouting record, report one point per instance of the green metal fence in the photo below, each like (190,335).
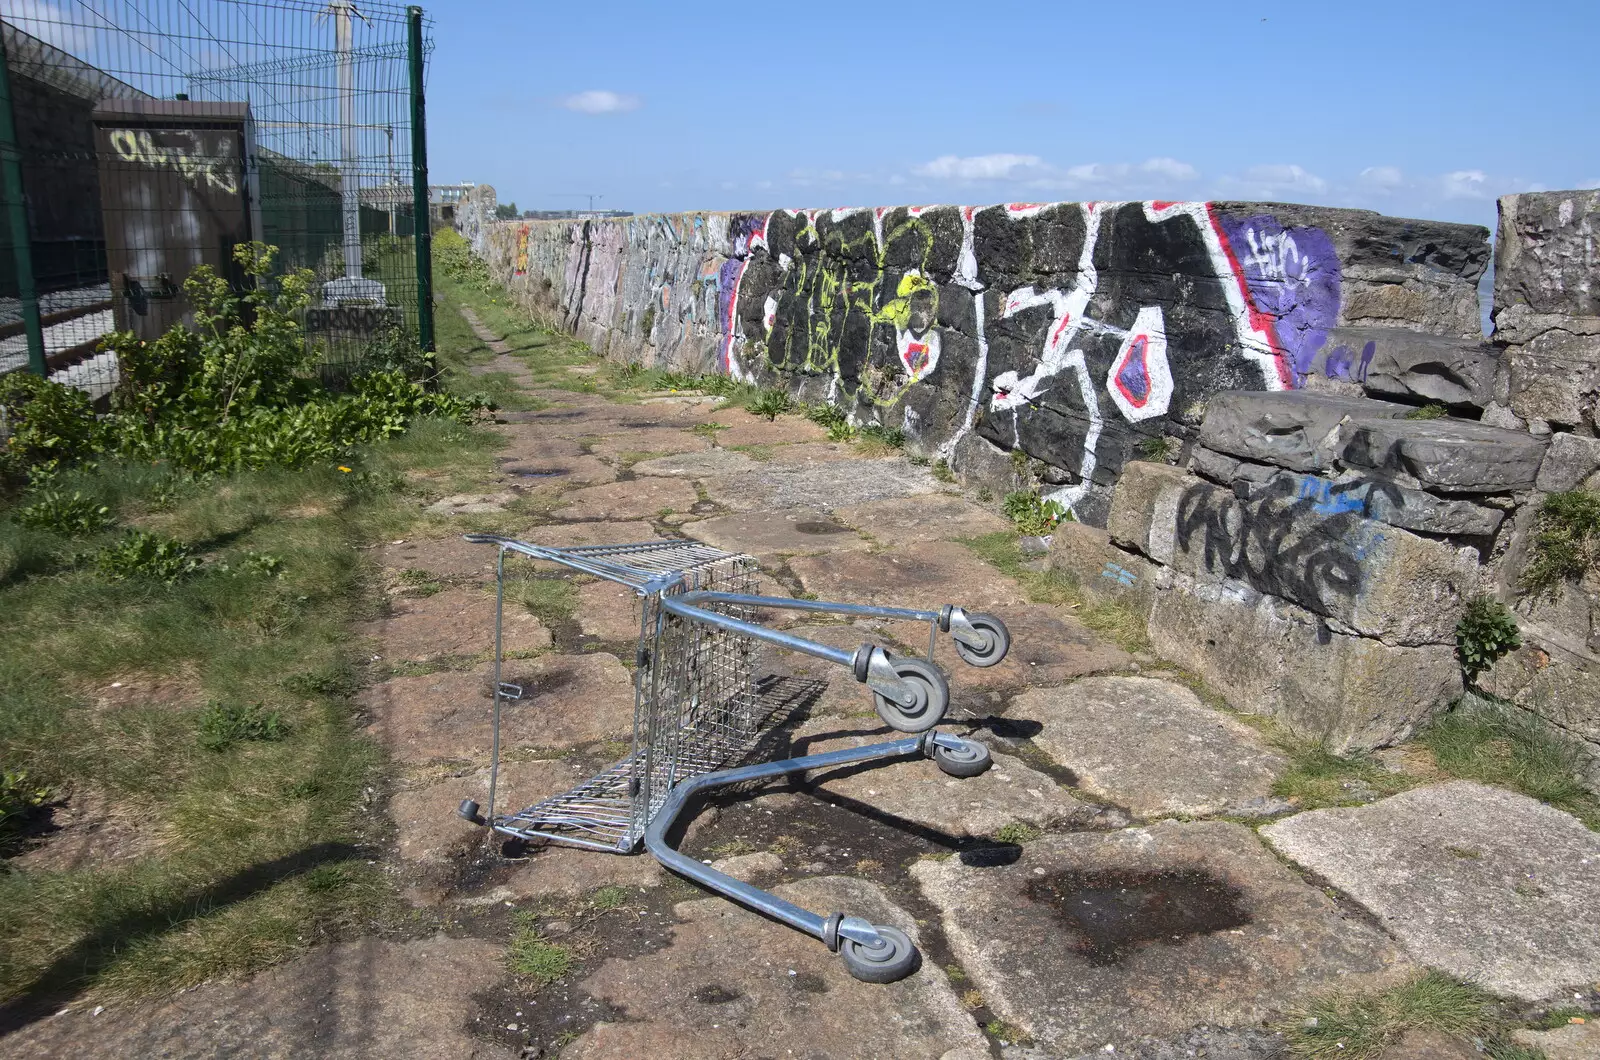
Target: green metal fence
(140,140)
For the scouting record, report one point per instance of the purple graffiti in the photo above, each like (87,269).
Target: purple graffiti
(1293,276)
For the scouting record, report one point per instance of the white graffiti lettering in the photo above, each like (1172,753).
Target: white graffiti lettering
(213,166)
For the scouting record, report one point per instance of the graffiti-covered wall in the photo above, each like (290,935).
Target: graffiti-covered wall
(1070,331)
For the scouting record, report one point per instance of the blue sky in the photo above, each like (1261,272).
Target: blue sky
(1411,107)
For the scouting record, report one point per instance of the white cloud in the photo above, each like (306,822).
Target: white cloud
(1170,168)
(599,101)
(1383,177)
(1283,177)
(1466,184)
(977,167)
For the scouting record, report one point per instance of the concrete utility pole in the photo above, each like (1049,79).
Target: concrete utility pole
(352,288)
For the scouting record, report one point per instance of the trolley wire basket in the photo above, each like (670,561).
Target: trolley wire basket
(697,714)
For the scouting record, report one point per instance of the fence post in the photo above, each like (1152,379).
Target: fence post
(16,208)
(421,228)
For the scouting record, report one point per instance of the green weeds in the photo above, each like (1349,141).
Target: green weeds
(1567,544)
(142,554)
(1032,514)
(61,513)
(1516,750)
(224,724)
(530,956)
(1486,631)
(1361,1026)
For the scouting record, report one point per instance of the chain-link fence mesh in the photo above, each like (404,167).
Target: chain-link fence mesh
(139,140)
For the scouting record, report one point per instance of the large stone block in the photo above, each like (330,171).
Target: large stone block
(1295,543)
(1376,498)
(1267,656)
(1410,365)
(1134,500)
(1293,429)
(1555,678)
(1554,365)
(1568,461)
(1103,571)
(1545,256)
(1450,455)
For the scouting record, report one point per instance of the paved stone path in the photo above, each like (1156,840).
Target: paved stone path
(1072,900)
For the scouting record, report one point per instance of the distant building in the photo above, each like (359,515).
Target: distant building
(445,199)
(572,215)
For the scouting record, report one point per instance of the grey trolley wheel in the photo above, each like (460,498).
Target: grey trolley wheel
(997,642)
(894,958)
(931,697)
(968,760)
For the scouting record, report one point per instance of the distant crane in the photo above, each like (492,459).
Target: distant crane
(591,196)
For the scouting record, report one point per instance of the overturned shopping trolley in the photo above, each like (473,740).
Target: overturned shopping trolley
(697,709)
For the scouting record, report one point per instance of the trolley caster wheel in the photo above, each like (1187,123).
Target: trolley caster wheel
(968,760)
(997,642)
(894,958)
(931,697)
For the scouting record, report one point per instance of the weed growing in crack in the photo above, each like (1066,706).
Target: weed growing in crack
(1487,631)
(1360,1026)
(532,957)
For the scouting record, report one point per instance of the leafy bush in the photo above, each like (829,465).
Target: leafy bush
(824,414)
(141,554)
(769,402)
(224,724)
(20,798)
(1032,514)
(893,437)
(1567,545)
(1487,631)
(841,432)
(50,426)
(62,514)
(453,256)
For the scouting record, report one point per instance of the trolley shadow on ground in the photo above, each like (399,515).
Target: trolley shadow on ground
(66,977)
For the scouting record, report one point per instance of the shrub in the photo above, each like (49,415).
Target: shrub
(141,554)
(62,514)
(769,402)
(453,256)
(1487,631)
(841,432)
(824,414)
(893,437)
(20,798)
(50,426)
(224,724)
(1032,514)
(1567,545)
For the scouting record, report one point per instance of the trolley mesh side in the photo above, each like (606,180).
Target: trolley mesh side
(695,700)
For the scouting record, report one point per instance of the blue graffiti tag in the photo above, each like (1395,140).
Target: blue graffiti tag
(1120,575)
(1330,498)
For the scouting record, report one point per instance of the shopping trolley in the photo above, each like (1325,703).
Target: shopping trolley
(697,710)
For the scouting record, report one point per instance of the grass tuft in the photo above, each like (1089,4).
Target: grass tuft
(1515,750)
(531,957)
(1360,1026)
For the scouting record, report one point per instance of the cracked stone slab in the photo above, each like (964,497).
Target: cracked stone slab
(1481,883)
(1575,1041)
(924,517)
(656,441)
(818,482)
(367,998)
(551,475)
(1150,745)
(926,576)
(1048,646)
(1090,940)
(568,701)
(704,463)
(440,557)
(767,534)
(608,611)
(636,499)
(470,503)
(730,983)
(451,622)
(915,790)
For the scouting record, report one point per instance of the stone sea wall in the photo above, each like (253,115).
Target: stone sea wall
(1071,332)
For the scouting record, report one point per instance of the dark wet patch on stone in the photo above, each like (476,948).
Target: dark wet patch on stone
(537,472)
(1110,914)
(818,527)
(716,995)
(809,983)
